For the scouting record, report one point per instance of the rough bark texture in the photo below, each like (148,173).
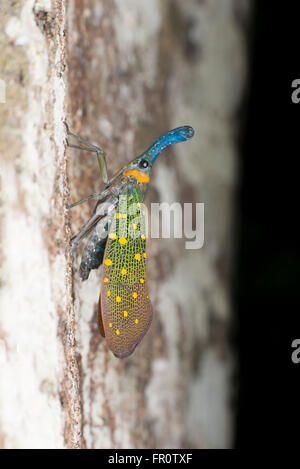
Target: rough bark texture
(122,72)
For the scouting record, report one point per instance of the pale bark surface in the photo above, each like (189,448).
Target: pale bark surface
(122,72)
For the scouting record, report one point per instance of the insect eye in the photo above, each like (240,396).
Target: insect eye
(143,164)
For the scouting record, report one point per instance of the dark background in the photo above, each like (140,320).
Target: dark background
(267,284)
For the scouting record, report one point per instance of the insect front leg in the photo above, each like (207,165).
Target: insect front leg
(101,155)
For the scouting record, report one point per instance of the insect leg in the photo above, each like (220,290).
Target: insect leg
(93,253)
(100,197)
(85,230)
(101,155)
(92,196)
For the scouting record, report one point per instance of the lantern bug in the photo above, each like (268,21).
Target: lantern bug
(118,240)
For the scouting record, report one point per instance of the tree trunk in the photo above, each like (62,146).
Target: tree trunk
(121,73)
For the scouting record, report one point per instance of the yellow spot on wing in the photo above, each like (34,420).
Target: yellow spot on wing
(136,321)
(117,332)
(118,299)
(123,271)
(134,226)
(137,257)
(112,236)
(145,255)
(142,280)
(106,280)
(143,237)
(125,314)
(124,215)
(134,294)
(108,292)
(107,262)
(110,324)
(118,215)
(123,241)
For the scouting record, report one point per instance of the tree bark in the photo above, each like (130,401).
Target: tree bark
(121,73)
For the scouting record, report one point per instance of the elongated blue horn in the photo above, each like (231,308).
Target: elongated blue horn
(180,134)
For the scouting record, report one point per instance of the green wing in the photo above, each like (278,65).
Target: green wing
(125,305)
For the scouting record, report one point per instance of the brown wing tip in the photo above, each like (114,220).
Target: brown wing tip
(126,353)
(130,350)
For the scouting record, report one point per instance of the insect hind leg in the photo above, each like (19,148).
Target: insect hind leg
(85,230)
(92,256)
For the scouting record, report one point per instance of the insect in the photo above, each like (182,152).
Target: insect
(118,241)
